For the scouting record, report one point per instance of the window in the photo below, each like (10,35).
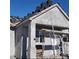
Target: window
(38,46)
(37,33)
(41,37)
(65,39)
(50,47)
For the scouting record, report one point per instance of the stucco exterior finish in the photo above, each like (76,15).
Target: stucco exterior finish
(21,35)
(52,17)
(23,43)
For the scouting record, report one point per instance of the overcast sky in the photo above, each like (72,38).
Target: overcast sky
(22,7)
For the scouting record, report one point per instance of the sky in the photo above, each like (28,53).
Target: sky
(22,7)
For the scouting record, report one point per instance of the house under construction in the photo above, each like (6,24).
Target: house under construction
(43,35)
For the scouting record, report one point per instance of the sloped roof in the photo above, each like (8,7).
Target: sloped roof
(42,12)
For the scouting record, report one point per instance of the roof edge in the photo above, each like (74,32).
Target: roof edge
(40,13)
(61,9)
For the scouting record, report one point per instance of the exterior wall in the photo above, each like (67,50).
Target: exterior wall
(56,17)
(21,42)
(52,17)
(12,44)
(18,42)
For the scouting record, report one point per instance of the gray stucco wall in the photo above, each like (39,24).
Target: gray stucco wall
(20,45)
(52,17)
